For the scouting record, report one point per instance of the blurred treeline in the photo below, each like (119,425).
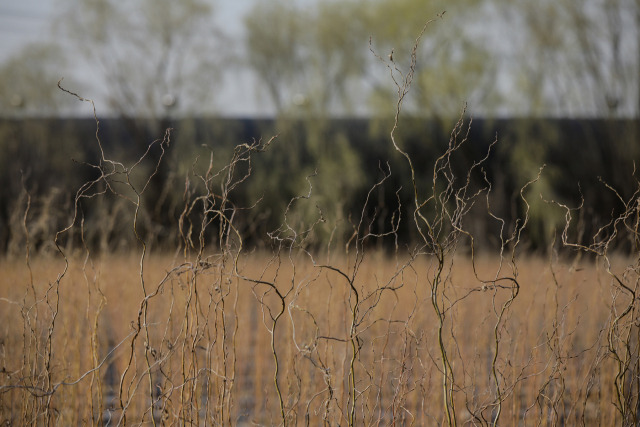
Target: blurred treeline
(567,70)
(335,162)
(328,58)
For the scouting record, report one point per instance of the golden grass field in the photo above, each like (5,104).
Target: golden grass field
(177,342)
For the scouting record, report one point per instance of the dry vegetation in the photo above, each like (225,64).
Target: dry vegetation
(428,334)
(208,346)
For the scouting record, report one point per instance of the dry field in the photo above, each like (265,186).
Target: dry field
(271,339)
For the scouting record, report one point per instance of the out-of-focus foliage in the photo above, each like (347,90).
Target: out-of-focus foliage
(39,159)
(318,59)
(308,59)
(274,30)
(452,65)
(334,167)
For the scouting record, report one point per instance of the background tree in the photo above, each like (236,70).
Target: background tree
(576,58)
(318,57)
(453,65)
(308,59)
(274,49)
(152,54)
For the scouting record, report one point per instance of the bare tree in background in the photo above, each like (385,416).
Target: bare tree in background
(152,54)
(578,58)
(274,51)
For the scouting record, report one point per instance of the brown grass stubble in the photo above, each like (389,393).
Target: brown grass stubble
(551,346)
